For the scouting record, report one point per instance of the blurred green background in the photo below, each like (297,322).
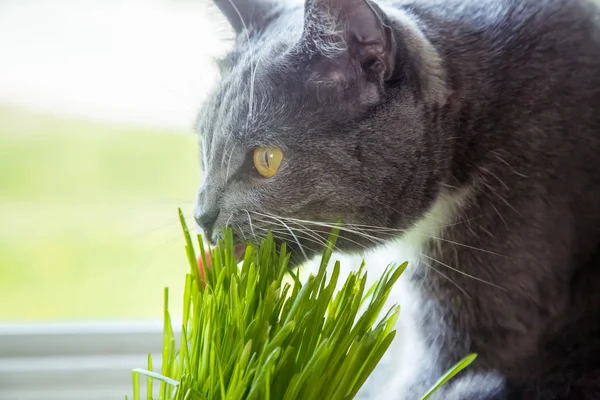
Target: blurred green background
(89,217)
(97,152)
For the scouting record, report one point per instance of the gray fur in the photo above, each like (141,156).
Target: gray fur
(488,110)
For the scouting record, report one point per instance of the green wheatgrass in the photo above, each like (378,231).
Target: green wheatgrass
(247,333)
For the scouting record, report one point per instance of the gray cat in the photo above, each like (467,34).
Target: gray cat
(469,131)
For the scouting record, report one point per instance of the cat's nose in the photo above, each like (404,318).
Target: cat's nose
(206,221)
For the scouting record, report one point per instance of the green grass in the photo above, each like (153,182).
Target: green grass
(87,222)
(248,333)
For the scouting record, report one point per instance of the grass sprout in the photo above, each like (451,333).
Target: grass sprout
(248,333)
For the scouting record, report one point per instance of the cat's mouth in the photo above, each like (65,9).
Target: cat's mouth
(239,251)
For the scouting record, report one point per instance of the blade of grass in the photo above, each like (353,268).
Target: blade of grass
(459,366)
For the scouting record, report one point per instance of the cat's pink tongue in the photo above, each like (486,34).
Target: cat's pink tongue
(201,265)
(238,253)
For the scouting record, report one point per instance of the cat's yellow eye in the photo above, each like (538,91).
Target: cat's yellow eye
(267,160)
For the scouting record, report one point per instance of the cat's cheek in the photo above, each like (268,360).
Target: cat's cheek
(370,95)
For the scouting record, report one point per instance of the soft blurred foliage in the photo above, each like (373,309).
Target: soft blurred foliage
(88,217)
(88,198)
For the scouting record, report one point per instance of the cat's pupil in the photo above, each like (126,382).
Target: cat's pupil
(267,159)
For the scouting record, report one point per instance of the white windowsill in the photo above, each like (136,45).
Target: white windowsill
(91,361)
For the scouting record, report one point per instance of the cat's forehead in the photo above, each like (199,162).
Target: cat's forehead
(251,101)
(261,85)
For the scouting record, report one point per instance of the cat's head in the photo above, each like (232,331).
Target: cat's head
(325,111)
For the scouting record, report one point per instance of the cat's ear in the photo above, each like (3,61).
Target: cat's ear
(350,34)
(246,14)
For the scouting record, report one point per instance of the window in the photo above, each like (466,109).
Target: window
(74,361)
(97,101)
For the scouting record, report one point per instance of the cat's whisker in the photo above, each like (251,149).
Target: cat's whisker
(316,232)
(228,219)
(490,234)
(341,227)
(379,241)
(290,230)
(462,272)
(286,234)
(500,215)
(322,241)
(429,266)
(467,246)
(460,222)
(298,234)
(316,238)
(309,235)
(503,161)
(278,231)
(490,173)
(242,232)
(400,211)
(384,229)
(351,228)
(498,195)
(250,223)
